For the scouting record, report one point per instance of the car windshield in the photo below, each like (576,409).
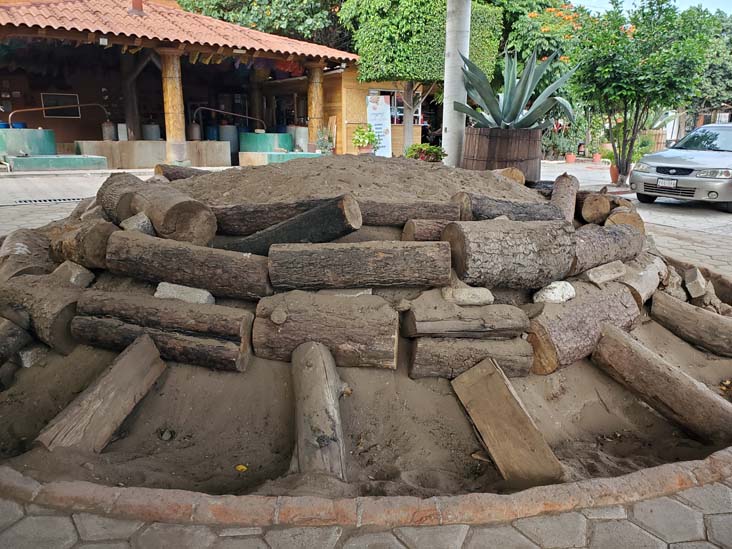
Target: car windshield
(707,139)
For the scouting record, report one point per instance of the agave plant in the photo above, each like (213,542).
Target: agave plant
(511,109)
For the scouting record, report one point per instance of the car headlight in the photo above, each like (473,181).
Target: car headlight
(715,174)
(642,167)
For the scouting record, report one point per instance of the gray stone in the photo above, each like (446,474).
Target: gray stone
(556,292)
(444,537)
(503,537)
(604,273)
(34,354)
(33,509)
(621,534)
(553,531)
(468,297)
(710,499)
(40,533)
(252,531)
(96,528)
(10,512)
(719,530)
(241,543)
(606,513)
(184,293)
(304,538)
(380,540)
(692,545)
(669,520)
(73,273)
(177,536)
(138,222)
(695,282)
(104,545)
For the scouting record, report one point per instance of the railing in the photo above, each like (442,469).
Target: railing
(44,109)
(195,113)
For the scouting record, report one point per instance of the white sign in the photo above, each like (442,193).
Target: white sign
(378,114)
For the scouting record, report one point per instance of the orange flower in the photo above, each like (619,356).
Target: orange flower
(545,29)
(567,36)
(551,10)
(564,58)
(532,15)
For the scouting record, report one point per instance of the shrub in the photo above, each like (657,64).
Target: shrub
(426,152)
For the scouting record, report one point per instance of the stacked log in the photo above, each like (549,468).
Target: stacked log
(25,252)
(624,215)
(564,195)
(84,242)
(115,196)
(12,339)
(600,245)
(424,229)
(476,207)
(396,214)
(592,207)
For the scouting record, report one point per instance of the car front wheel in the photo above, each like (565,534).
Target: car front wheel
(646,198)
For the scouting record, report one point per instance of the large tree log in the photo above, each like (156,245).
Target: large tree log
(359,331)
(84,242)
(448,358)
(12,339)
(514,254)
(625,216)
(359,265)
(476,207)
(663,386)
(249,218)
(564,195)
(693,324)
(371,233)
(48,305)
(319,446)
(24,251)
(111,333)
(173,173)
(324,223)
(599,245)
(431,315)
(88,423)
(396,214)
(115,195)
(424,229)
(567,332)
(592,207)
(221,272)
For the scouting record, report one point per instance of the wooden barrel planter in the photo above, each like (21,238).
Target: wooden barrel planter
(495,148)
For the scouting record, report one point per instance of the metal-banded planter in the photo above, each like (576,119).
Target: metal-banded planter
(496,148)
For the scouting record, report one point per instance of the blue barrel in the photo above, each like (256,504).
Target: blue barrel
(20,125)
(212,133)
(4,125)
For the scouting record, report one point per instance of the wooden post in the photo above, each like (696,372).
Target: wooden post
(129,92)
(315,100)
(255,98)
(175,121)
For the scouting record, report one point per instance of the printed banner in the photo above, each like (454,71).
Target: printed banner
(378,114)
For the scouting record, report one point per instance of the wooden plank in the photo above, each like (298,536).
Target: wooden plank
(505,428)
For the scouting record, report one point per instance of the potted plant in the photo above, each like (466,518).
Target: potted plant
(614,171)
(365,139)
(508,126)
(323,143)
(426,152)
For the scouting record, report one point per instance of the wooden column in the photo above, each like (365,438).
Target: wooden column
(255,98)
(175,120)
(129,91)
(315,100)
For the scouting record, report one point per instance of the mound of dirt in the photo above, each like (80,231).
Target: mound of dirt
(392,180)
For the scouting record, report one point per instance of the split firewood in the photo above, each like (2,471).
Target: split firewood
(626,216)
(674,286)
(448,357)
(564,195)
(88,423)
(704,328)
(567,332)
(592,207)
(115,195)
(505,428)
(663,386)
(324,223)
(476,207)
(424,229)
(359,331)
(431,315)
(359,265)
(319,443)
(25,251)
(221,272)
(599,245)
(396,214)
(722,283)
(73,273)
(643,276)
(604,273)
(711,302)
(695,283)
(84,242)
(514,254)
(173,173)
(12,339)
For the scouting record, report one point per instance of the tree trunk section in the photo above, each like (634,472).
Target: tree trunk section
(324,223)
(599,245)
(567,332)
(359,265)
(12,339)
(592,207)
(513,254)
(475,207)
(564,195)
(424,229)
(448,358)
(24,251)
(625,216)
(396,214)
(221,272)
(85,243)
(703,328)
(663,386)
(371,233)
(319,446)
(359,331)
(249,218)
(88,423)
(174,173)
(115,196)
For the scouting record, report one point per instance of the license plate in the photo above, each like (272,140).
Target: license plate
(666,183)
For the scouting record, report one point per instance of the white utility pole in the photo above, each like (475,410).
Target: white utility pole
(457,41)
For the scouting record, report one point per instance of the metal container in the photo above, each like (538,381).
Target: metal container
(109,131)
(194,132)
(230,134)
(151,132)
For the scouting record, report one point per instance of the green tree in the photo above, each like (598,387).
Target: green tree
(715,88)
(637,60)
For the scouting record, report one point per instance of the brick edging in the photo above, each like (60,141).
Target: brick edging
(183,507)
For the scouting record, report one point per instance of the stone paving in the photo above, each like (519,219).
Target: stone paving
(698,518)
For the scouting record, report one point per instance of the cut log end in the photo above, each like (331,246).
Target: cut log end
(454,235)
(189,222)
(546,360)
(351,212)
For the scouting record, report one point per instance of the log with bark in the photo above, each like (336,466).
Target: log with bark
(88,423)
(706,329)
(567,332)
(625,216)
(513,254)
(83,205)
(221,272)
(592,207)
(84,242)
(359,265)
(564,195)
(599,245)
(173,173)
(448,358)
(424,229)
(664,386)
(396,214)
(115,195)
(359,331)
(371,233)
(643,276)
(249,217)
(431,315)
(49,307)
(319,443)
(12,339)
(476,207)
(324,223)
(25,251)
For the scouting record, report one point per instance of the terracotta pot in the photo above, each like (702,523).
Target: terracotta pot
(570,158)
(596,158)
(614,173)
(366,150)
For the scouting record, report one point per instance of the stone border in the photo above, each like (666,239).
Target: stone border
(183,507)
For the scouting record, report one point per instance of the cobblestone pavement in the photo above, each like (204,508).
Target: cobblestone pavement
(698,518)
